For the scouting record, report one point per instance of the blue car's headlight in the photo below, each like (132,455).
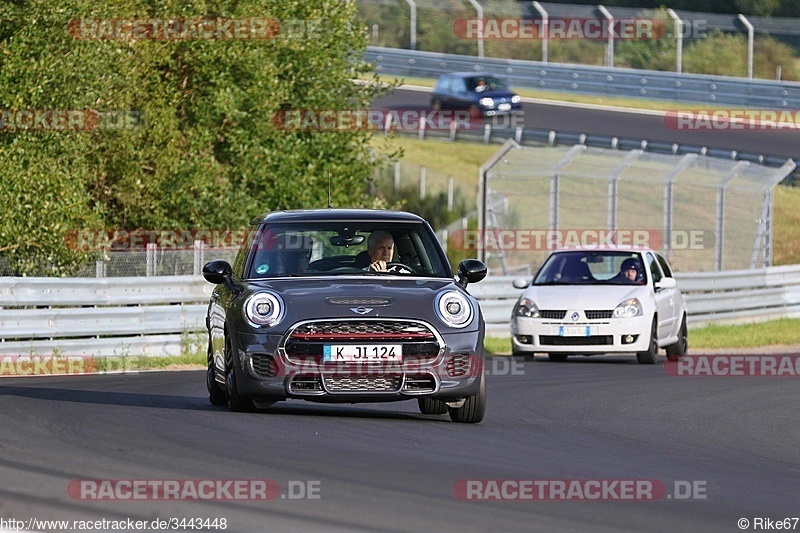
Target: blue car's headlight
(454,309)
(515,99)
(628,309)
(263,309)
(486,102)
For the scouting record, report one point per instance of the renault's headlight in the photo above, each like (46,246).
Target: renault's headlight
(515,99)
(454,309)
(486,102)
(263,309)
(628,309)
(526,307)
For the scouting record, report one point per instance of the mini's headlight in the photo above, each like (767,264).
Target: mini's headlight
(486,102)
(628,309)
(454,309)
(526,308)
(515,99)
(263,309)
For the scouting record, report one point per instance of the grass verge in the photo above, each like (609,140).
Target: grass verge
(785,331)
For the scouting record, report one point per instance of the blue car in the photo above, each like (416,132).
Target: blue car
(481,93)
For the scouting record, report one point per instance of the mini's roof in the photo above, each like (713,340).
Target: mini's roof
(304,215)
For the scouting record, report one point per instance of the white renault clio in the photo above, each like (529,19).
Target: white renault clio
(598,301)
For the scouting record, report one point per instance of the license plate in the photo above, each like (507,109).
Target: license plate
(333,353)
(574,331)
(503,107)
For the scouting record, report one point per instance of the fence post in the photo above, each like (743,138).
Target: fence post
(679,40)
(413,24)
(545,29)
(396,175)
(198,257)
(450,193)
(151,259)
(100,268)
(422,182)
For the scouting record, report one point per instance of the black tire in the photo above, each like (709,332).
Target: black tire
(235,402)
(215,393)
(431,406)
(650,357)
(558,357)
(675,351)
(473,409)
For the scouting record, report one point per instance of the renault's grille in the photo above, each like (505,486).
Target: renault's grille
(599,314)
(553,314)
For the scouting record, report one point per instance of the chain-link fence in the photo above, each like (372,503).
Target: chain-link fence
(151,261)
(704,213)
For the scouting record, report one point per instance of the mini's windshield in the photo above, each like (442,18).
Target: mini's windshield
(592,268)
(345,248)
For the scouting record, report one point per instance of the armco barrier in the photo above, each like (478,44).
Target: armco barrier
(600,81)
(153,315)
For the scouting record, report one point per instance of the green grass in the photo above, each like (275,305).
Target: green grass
(111,364)
(785,331)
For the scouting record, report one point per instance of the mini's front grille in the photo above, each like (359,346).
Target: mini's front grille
(362,330)
(457,365)
(362,383)
(264,365)
(553,314)
(555,340)
(359,301)
(599,314)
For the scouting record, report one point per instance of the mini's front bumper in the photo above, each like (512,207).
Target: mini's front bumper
(266,371)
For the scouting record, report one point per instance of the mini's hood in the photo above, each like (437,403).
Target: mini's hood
(360,296)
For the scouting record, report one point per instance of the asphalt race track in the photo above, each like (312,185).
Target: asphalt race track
(626,124)
(388,468)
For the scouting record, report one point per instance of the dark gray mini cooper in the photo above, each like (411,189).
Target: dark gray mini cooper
(345,305)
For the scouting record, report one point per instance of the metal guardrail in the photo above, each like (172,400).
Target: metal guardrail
(601,81)
(153,316)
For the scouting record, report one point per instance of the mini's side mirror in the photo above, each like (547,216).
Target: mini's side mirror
(471,271)
(520,283)
(217,272)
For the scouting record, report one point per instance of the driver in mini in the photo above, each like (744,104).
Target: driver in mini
(380,246)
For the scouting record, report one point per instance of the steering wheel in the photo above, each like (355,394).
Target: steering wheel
(398,268)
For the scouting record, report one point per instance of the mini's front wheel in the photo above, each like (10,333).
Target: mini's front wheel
(473,409)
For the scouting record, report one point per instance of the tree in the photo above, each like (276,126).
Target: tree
(199,145)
